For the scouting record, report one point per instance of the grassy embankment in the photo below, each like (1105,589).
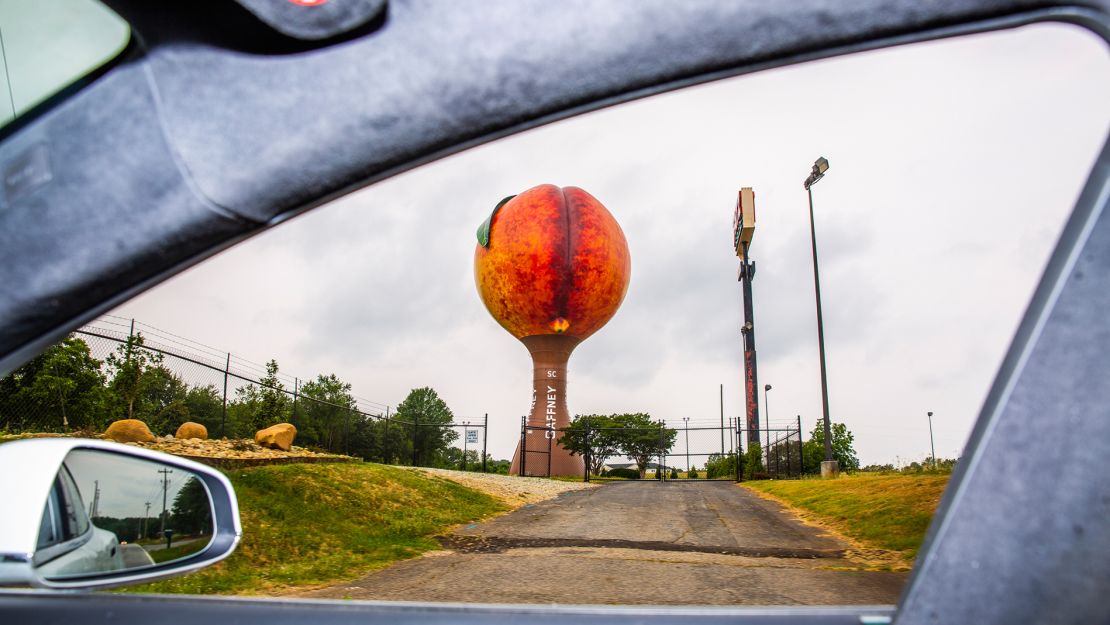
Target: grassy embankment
(890,512)
(307,525)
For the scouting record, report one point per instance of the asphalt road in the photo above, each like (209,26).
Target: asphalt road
(710,543)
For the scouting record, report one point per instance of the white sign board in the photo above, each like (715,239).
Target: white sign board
(472,437)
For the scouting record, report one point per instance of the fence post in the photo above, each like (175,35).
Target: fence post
(223,415)
(586,444)
(801,459)
(523,446)
(736,445)
(347,434)
(296,391)
(662,458)
(415,424)
(466,427)
(485,436)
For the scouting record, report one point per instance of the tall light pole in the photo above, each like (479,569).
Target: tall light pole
(829,466)
(767,404)
(743,229)
(686,426)
(932,448)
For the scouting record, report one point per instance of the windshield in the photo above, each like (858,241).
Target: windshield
(48,46)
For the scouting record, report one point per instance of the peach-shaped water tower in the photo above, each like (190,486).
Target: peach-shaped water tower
(552,267)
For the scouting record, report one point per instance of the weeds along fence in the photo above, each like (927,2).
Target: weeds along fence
(117,368)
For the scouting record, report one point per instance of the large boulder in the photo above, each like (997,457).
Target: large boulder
(278,436)
(190,429)
(129,431)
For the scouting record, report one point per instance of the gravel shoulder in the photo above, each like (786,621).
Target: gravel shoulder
(514,491)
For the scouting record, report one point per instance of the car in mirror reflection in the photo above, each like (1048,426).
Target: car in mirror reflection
(110,515)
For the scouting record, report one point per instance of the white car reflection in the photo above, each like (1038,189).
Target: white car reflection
(69,544)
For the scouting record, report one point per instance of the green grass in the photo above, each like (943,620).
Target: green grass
(889,512)
(308,525)
(173,553)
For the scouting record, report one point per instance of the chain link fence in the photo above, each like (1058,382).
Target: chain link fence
(116,368)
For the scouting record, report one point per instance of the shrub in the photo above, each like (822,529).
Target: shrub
(674,473)
(753,462)
(692,474)
(631,474)
(720,466)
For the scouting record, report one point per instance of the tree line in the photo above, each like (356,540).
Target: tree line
(67,389)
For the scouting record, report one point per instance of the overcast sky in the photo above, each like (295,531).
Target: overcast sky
(953,167)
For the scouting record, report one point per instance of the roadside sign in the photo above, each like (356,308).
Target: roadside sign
(472,437)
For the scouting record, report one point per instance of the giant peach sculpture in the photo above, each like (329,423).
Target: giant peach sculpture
(552,267)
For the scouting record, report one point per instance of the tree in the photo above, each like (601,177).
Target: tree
(273,401)
(603,439)
(205,406)
(430,414)
(813,451)
(634,435)
(59,389)
(161,400)
(259,406)
(326,412)
(642,439)
(192,514)
(127,365)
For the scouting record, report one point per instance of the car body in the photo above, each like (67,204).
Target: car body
(69,542)
(223,119)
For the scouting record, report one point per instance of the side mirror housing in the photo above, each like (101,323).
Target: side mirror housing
(87,514)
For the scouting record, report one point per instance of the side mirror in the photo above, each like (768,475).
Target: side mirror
(84,514)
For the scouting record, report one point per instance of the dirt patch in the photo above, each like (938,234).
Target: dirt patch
(514,491)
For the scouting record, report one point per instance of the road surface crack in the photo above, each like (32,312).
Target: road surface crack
(499,544)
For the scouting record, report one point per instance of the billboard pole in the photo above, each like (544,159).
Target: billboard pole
(743,229)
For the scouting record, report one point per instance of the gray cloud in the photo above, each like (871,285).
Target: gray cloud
(930,236)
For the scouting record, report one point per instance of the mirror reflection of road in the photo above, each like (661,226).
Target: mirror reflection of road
(638,543)
(135,555)
(176,543)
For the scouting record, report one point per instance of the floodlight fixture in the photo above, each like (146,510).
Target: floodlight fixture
(820,166)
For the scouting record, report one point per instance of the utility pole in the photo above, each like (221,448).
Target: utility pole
(165,489)
(146,516)
(94,507)
(722,423)
(743,229)
(485,437)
